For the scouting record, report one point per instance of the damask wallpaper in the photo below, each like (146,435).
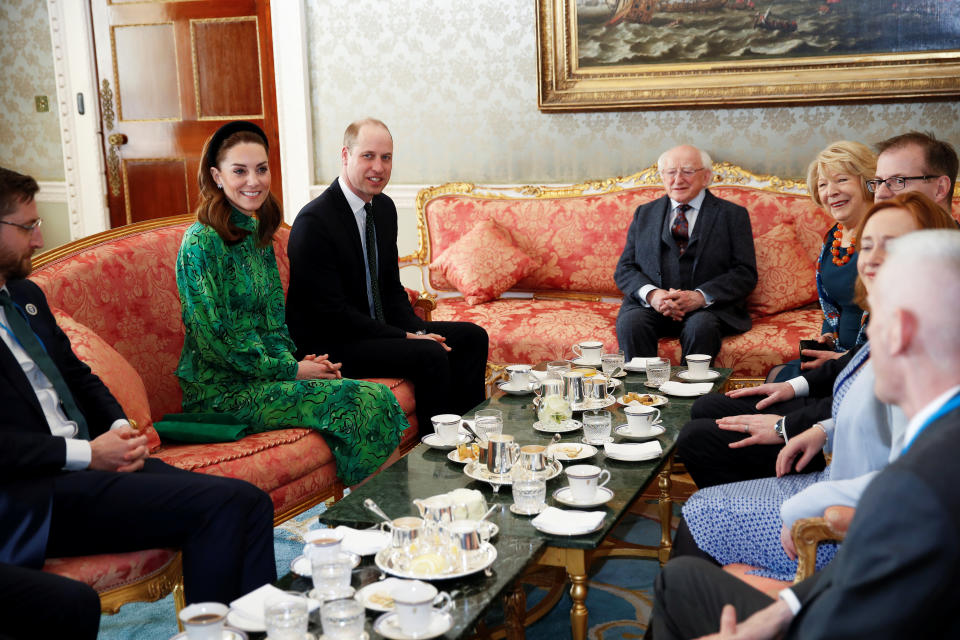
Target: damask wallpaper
(457,84)
(29,141)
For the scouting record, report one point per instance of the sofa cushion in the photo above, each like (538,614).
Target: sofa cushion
(115,372)
(483,263)
(789,278)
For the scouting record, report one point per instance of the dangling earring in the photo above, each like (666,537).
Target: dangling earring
(219,186)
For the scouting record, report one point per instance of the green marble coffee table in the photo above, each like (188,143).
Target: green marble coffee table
(425,472)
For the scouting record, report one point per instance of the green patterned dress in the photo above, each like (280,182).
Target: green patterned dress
(238,359)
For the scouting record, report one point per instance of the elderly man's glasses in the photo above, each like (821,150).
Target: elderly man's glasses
(896,183)
(686,172)
(30,228)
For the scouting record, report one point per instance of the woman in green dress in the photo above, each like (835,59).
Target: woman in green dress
(237,354)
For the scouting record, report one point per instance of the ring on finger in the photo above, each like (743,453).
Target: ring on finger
(746,428)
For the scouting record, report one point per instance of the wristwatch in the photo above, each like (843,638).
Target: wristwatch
(780,426)
(420,333)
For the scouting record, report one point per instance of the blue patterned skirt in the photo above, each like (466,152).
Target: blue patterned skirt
(740,523)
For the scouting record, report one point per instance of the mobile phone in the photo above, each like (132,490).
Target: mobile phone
(810,344)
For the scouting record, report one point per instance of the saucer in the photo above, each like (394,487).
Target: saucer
(553,427)
(515,391)
(710,375)
(570,452)
(514,509)
(301,564)
(433,441)
(388,625)
(454,456)
(623,431)
(564,495)
(596,442)
(580,362)
(228,634)
(593,404)
(377,596)
(658,400)
(345,592)
(363,636)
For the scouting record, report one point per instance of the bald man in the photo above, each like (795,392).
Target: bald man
(897,574)
(688,265)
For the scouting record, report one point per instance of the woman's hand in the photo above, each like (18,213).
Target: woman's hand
(786,541)
(775,392)
(315,367)
(808,443)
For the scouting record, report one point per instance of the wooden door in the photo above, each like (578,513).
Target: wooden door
(169,73)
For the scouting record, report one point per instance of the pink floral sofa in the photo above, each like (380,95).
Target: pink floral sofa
(534,265)
(115,295)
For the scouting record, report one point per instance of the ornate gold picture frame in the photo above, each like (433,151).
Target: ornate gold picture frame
(570,79)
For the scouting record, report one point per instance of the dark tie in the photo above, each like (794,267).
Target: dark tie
(681,234)
(371,241)
(27,339)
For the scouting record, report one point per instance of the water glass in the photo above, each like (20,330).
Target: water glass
(658,372)
(529,492)
(342,619)
(596,426)
(610,362)
(487,422)
(286,616)
(331,577)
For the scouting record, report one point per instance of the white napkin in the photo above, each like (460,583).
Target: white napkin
(568,522)
(363,542)
(636,364)
(251,605)
(634,450)
(674,388)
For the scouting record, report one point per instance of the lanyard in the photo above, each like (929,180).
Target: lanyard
(945,409)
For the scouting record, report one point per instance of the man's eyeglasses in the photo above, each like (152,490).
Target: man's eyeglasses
(686,172)
(30,228)
(896,183)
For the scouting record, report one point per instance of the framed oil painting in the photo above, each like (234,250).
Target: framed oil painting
(628,54)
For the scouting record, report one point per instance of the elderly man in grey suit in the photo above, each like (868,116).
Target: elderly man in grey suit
(688,265)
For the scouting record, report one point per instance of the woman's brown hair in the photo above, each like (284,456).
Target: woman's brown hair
(214,209)
(926,213)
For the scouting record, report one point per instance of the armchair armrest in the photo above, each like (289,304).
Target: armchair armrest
(425,304)
(808,533)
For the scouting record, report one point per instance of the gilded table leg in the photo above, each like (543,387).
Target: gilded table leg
(577,570)
(666,511)
(515,609)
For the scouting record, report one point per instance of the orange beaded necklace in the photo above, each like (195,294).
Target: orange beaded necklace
(836,248)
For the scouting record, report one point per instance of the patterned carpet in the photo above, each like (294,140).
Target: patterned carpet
(619,597)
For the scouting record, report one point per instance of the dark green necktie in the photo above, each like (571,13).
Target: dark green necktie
(371,241)
(31,344)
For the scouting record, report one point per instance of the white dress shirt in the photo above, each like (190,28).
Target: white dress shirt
(356,205)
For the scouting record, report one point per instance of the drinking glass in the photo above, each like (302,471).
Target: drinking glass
(285,616)
(658,372)
(610,362)
(342,619)
(529,491)
(331,577)
(596,426)
(488,421)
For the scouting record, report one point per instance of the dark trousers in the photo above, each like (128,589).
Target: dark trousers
(224,526)
(705,449)
(689,595)
(640,328)
(444,382)
(35,604)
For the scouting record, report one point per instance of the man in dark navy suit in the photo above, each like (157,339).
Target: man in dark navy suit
(345,298)
(77,479)
(688,264)
(897,574)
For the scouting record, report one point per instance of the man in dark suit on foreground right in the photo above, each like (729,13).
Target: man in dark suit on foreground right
(897,574)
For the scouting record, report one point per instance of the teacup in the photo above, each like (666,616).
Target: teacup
(534,457)
(447,427)
(596,389)
(403,531)
(641,419)
(204,620)
(698,365)
(588,351)
(519,376)
(585,479)
(415,603)
(323,543)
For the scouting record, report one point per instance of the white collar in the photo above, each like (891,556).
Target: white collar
(924,414)
(353,200)
(696,203)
